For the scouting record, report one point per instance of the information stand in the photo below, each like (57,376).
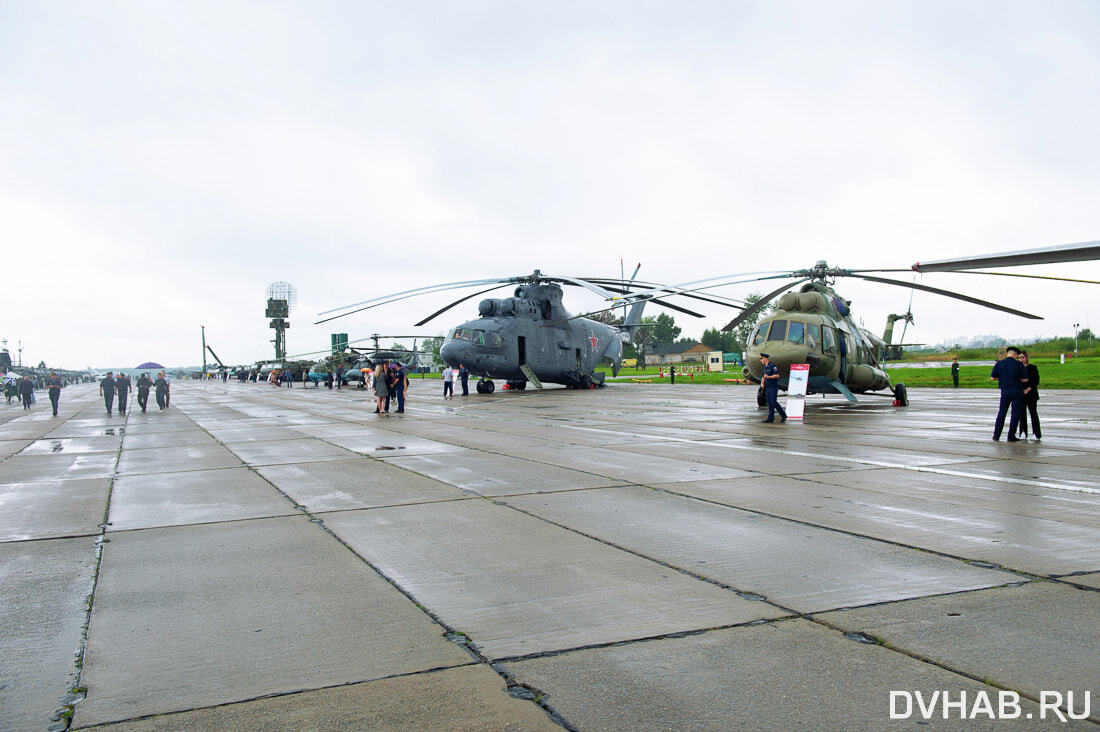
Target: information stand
(796,390)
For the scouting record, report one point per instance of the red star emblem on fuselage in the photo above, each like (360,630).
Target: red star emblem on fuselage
(595,341)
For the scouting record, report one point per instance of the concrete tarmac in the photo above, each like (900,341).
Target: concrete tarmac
(642,557)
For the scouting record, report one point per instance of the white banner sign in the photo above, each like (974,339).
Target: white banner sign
(796,390)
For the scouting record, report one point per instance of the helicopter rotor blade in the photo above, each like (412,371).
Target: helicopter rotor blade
(1081,252)
(1030,276)
(948,293)
(456,302)
(762,303)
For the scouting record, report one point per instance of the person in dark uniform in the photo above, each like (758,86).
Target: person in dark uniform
(26,391)
(122,387)
(955,372)
(464,374)
(161,386)
(1031,398)
(1011,377)
(400,383)
(107,391)
(54,384)
(144,383)
(770,380)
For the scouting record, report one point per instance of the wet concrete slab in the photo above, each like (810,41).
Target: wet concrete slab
(193,497)
(45,509)
(176,459)
(468,699)
(73,445)
(1038,637)
(793,565)
(237,610)
(32,468)
(148,440)
(789,675)
(1021,468)
(516,585)
(43,594)
(742,456)
(255,434)
(638,465)
(488,474)
(385,443)
(303,449)
(1022,543)
(338,485)
(10,447)
(1023,498)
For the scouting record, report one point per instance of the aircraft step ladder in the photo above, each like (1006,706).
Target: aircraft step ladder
(531,376)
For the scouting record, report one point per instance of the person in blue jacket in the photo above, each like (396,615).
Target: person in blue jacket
(770,380)
(1011,377)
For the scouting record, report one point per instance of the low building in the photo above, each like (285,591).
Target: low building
(687,352)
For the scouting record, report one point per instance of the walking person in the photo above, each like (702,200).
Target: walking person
(144,383)
(11,389)
(53,385)
(770,381)
(1011,377)
(464,375)
(107,391)
(448,383)
(122,387)
(26,391)
(381,388)
(161,388)
(1031,398)
(955,372)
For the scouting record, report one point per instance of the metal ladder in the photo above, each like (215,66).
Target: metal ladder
(531,376)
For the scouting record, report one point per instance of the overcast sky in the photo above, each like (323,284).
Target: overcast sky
(162,163)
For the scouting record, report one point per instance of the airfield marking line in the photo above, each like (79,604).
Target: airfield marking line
(878,463)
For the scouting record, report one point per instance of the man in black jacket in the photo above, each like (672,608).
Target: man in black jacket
(122,387)
(1031,398)
(1011,376)
(144,383)
(26,391)
(107,391)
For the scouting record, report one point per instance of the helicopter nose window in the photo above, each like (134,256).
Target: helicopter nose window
(463,335)
(778,330)
(758,335)
(830,338)
(478,337)
(796,333)
(494,340)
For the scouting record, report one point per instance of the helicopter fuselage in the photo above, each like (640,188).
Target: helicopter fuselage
(532,330)
(815,326)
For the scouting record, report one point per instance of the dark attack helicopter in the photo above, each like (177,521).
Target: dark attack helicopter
(530,337)
(815,325)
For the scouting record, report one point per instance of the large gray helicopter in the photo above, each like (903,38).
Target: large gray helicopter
(530,337)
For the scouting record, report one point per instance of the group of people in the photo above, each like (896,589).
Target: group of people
(120,385)
(1018,379)
(449,375)
(390,380)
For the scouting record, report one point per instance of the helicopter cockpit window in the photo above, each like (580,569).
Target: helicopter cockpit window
(463,335)
(494,340)
(478,337)
(758,335)
(778,330)
(813,335)
(830,338)
(796,333)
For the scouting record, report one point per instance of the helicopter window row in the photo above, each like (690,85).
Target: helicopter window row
(794,331)
(477,337)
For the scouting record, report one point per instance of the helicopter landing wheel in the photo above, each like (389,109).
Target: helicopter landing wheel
(901,395)
(485,386)
(586,382)
(761,400)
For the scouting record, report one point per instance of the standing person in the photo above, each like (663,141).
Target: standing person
(107,391)
(54,384)
(381,388)
(122,386)
(161,386)
(464,374)
(955,372)
(11,388)
(328,379)
(771,388)
(448,383)
(1011,377)
(143,385)
(1031,398)
(400,383)
(339,378)
(26,391)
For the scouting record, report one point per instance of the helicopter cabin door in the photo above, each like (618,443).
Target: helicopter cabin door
(578,358)
(522,350)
